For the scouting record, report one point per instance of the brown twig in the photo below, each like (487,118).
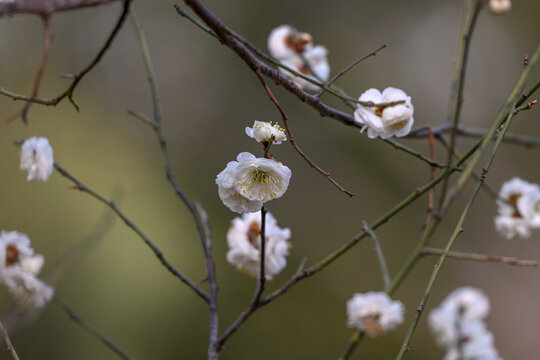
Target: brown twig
(293,141)
(23,114)
(353,64)
(9,345)
(76,77)
(433,172)
(45,7)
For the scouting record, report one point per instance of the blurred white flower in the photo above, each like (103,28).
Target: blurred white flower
(19,267)
(518,208)
(37,158)
(263,131)
(244,185)
(244,242)
(498,7)
(315,67)
(285,41)
(387,121)
(459,328)
(374,312)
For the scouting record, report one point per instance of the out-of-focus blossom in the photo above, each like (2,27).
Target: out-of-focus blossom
(244,240)
(395,119)
(285,41)
(37,158)
(263,131)
(374,312)
(246,184)
(313,63)
(499,7)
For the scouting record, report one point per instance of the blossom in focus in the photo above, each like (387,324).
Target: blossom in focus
(246,184)
(244,240)
(19,267)
(518,208)
(374,312)
(285,41)
(37,158)
(458,325)
(385,121)
(266,132)
(498,7)
(315,67)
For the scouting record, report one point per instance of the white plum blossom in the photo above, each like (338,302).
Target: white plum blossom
(374,312)
(387,121)
(246,184)
(263,131)
(518,208)
(315,67)
(499,7)
(458,325)
(285,41)
(244,240)
(19,267)
(37,158)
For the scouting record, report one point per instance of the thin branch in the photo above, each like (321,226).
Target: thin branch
(45,7)
(480,257)
(9,345)
(456,94)
(518,139)
(353,64)
(380,254)
(76,77)
(91,329)
(83,188)
(353,343)
(293,141)
(23,114)
(433,173)
(261,281)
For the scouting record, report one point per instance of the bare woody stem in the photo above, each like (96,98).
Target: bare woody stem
(480,257)
(76,77)
(46,7)
(9,345)
(91,329)
(356,338)
(83,188)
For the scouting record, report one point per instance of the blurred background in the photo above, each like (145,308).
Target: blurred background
(208,97)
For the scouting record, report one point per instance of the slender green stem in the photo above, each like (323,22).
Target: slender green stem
(9,345)
(480,257)
(83,188)
(380,255)
(356,338)
(91,329)
(456,94)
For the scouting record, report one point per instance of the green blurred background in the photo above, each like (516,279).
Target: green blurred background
(208,96)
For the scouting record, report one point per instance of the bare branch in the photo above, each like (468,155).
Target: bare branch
(45,7)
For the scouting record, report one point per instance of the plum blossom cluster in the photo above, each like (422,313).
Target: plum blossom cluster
(394,117)
(518,208)
(266,132)
(244,240)
(458,325)
(19,267)
(374,313)
(37,158)
(295,50)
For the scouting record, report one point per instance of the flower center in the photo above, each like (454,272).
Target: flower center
(253,233)
(512,199)
(296,42)
(259,184)
(12,255)
(372,324)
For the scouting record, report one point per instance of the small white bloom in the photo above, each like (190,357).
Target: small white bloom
(37,158)
(374,312)
(244,185)
(518,208)
(263,131)
(499,7)
(285,41)
(475,343)
(384,122)
(464,304)
(315,67)
(19,267)
(244,242)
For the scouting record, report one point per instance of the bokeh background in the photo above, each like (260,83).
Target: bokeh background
(208,96)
